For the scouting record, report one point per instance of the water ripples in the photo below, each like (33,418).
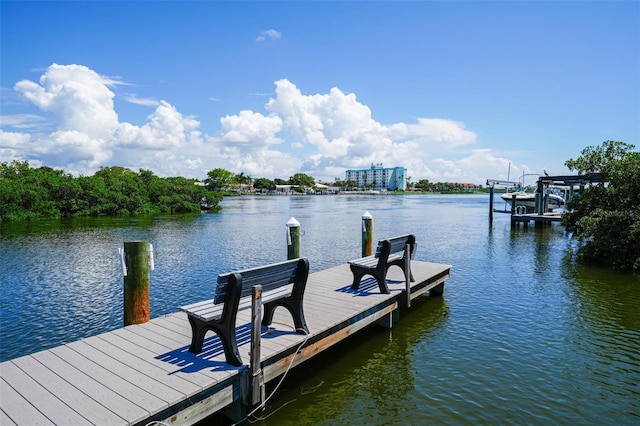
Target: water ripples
(521,336)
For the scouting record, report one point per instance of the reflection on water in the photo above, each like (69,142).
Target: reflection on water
(522,334)
(368,380)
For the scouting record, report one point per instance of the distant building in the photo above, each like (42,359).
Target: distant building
(470,187)
(285,189)
(378,177)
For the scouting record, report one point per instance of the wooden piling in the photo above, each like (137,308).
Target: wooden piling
(257,378)
(136,282)
(293,239)
(541,207)
(407,273)
(491,203)
(367,234)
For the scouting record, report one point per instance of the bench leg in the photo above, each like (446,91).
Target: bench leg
(400,264)
(230,345)
(295,309)
(225,331)
(358,274)
(382,283)
(198,331)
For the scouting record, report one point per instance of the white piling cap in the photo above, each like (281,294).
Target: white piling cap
(293,223)
(367,215)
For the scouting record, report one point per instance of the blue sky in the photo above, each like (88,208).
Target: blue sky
(454,91)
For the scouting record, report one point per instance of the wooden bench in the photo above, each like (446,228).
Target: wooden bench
(282,284)
(388,253)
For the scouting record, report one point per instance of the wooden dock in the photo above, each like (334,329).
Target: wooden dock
(537,218)
(144,373)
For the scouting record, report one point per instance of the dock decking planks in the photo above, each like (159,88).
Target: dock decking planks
(135,374)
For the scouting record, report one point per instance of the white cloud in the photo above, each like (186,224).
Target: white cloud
(166,129)
(250,129)
(434,131)
(76,96)
(22,121)
(11,144)
(141,101)
(269,34)
(320,134)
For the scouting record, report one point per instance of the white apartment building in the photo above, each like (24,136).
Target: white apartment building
(389,178)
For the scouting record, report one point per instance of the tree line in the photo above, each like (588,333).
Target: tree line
(225,180)
(425,186)
(43,192)
(605,216)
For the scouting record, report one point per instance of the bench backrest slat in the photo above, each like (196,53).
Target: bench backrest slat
(396,243)
(269,277)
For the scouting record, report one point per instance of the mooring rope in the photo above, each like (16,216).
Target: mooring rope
(264,403)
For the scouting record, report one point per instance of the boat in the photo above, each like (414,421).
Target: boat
(526,196)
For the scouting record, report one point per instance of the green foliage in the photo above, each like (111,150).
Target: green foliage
(607,215)
(600,159)
(345,184)
(264,184)
(243,179)
(27,193)
(424,185)
(300,179)
(220,179)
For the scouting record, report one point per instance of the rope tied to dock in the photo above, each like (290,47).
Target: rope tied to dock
(250,417)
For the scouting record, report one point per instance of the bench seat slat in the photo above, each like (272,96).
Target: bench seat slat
(365,261)
(207,310)
(371,261)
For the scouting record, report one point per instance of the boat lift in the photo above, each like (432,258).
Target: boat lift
(492,183)
(544,182)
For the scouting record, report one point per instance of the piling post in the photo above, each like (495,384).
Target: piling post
(257,377)
(491,204)
(407,273)
(137,261)
(367,234)
(513,209)
(293,239)
(545,203)
(540,198)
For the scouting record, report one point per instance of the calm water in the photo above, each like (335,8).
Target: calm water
(522,335)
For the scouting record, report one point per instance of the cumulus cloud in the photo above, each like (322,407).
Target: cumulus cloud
(250,129)
(434,131)
(76,96)
(166,129)
(320,134)
(269,34)
(88,133)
